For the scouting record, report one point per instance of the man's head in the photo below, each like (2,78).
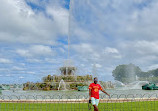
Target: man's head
(95,80)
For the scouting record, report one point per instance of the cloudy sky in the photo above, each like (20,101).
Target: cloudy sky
(103,34)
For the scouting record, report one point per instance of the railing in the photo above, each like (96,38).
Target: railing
(115,102)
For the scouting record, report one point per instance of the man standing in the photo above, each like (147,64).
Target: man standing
(94,93)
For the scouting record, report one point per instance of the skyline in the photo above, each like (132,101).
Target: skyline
(34,33)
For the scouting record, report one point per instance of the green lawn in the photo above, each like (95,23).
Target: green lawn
(127,106)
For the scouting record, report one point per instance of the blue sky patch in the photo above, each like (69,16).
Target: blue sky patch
(35,6)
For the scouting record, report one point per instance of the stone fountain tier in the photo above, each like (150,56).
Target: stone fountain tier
(68,70)
(60,83)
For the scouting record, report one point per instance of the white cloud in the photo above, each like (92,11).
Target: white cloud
(62,50)
(41,50)
(22,25)
(30,72)
(112,53)
(82,65)
(17,68)
(83,48)
(34,60)
(60,17)
(110,50)
(8,75)
(5,61)
(3,69)
(21,77)
(53,61)
(23,52)
(147,47)
(98,65)
(36,50)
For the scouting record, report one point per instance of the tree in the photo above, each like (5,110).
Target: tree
(126,73)
(153,73)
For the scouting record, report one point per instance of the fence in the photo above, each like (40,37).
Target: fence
(115,102)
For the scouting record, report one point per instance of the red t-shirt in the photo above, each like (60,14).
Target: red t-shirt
(95,90)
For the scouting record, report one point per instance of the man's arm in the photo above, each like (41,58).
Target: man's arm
(105,92)
(89,94)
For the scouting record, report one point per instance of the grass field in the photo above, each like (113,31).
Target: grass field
(126,106)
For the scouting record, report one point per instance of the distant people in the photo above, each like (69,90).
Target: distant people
(94,93)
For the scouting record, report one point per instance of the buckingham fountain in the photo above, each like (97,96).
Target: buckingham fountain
(67,80)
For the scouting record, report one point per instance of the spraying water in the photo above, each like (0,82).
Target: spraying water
(62,85)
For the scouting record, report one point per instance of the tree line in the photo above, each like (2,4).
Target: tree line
(127,73)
